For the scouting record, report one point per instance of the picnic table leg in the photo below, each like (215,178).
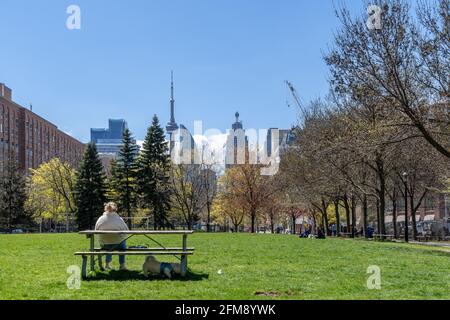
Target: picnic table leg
(83,267)
(92,250)
(184,257)
(100,262)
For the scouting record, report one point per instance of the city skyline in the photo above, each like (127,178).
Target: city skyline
(218,152)
(221,69)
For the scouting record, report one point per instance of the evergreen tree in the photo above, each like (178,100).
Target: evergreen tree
(154,174)
(90,189)
(12,193)
(123,176)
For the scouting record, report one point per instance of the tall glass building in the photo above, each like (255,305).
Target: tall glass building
(109,140)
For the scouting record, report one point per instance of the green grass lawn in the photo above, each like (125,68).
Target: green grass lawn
(253,267)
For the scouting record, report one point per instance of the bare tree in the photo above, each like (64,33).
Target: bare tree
(187,192)
(383,63)
(208,180)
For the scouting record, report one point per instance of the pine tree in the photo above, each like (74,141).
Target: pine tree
(123,176)
(90,189)
(12,193)
(154,174)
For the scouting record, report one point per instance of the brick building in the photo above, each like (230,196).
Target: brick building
(434,207)
(32,139)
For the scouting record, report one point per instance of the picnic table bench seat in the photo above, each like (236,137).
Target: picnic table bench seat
(388,236)
(133,253)
(148,249)
(179,252)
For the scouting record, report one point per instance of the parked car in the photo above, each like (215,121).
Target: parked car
(447,226)
(17,231)
(421,228)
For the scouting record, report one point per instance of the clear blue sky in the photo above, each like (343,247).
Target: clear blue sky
(227,55)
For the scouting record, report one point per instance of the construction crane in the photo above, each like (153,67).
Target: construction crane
(296,97)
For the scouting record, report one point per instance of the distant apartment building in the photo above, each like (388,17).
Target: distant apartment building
(240,151)
(31,139)
(285,139)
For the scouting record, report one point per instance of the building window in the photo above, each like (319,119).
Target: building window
(430,203)
(447,205)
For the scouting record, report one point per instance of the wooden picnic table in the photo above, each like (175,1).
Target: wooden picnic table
(181,253)
(381,236)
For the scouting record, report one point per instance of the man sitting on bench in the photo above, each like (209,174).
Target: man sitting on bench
(111,221)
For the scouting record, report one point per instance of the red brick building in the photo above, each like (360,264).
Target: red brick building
(32,139)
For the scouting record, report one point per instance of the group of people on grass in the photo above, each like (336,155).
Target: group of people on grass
(332,231)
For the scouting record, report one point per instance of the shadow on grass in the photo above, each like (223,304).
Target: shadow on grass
(115,275)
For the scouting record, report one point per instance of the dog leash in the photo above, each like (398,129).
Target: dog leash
(159,244)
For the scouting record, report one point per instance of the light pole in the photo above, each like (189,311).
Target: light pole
(405,181)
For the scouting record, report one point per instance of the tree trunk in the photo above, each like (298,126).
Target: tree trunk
(394,215)
(406,213)
(338,218)
(378,216)
(293,223)
(353,215)
(253,218)
(272,227)
(382,195)
(314,229)
(208,219)
(365,215)
(347,212)
(129,222)
(325,216)
(413,216)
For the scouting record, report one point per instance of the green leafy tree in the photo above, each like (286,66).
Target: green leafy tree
(90,189)
(12,193)
(51,190)
(154,175)
(124,174)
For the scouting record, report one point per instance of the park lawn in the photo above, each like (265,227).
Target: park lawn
(253,267)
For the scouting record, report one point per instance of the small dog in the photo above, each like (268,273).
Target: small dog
(154,267)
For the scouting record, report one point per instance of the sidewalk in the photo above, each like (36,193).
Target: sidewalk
(432,244)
